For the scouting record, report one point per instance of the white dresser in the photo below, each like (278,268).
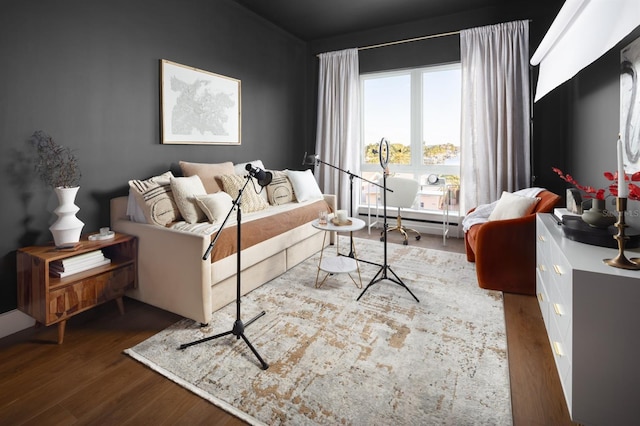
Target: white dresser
(592,315)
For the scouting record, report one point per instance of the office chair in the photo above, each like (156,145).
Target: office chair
(403,195)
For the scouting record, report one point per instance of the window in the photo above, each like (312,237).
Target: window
(418,112)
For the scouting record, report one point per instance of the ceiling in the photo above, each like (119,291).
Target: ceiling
(313,19)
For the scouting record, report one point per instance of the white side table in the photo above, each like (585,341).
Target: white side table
(339,264)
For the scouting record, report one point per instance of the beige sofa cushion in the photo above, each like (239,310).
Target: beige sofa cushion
(185,190)
(207,173)
(216,206)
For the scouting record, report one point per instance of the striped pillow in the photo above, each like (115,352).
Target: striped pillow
(155,198)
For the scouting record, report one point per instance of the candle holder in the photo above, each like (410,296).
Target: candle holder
(621,261)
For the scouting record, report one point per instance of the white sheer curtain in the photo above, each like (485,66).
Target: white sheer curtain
(495,135)
(337,135)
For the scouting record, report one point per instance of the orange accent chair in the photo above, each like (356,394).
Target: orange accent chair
(505,250)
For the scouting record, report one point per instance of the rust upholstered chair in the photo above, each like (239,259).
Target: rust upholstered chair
(505,250)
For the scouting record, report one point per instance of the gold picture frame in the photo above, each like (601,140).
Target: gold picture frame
(199,107)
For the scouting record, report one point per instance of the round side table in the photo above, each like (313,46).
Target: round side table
(339,264)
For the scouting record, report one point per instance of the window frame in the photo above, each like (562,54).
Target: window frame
(415,168)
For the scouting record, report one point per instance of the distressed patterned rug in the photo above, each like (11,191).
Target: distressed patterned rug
(385,359)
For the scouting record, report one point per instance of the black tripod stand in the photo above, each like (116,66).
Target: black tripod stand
(382,273)
(238,325)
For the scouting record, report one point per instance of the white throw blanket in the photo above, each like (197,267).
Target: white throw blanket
(482,212)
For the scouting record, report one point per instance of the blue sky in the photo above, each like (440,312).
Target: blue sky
(387,103)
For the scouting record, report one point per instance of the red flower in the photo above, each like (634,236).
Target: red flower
(589,190)
(634,190)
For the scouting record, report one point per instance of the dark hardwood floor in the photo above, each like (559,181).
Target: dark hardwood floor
(88,379)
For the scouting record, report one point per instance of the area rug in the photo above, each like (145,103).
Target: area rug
(385,359)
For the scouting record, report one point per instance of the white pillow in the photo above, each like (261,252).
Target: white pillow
(513,206)
(184,191)
(216,206)
(240,168)
(134,211)
(304,185)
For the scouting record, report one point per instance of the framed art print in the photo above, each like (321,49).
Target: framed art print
(630,106)
(198,107)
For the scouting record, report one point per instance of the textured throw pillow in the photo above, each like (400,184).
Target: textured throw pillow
(512,206)
(241,169)
(216,206)
(155,198)
(304,185)
(279,190)
(251,201)
(134,212)
(207,173)
(185,190)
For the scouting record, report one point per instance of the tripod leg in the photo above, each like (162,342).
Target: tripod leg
(206,339)
(263,364)
(400,282)
(248,323)
(373,281)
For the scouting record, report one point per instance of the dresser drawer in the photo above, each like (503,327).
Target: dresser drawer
(541,292)
(561,274)
(560,349)
(84,294)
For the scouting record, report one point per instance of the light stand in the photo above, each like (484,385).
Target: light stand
(238,325)
(313,160)
(382,273)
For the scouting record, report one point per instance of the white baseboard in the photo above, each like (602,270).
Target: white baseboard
(14,321)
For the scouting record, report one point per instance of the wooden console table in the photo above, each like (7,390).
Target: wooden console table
(51,300)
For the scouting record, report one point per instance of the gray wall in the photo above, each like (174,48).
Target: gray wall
(87,73)
(594,119)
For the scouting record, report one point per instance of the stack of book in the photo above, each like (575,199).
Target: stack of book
(72,265)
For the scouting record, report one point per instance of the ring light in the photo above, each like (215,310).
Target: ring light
(383,153)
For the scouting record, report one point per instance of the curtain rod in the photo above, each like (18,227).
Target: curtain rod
(409,40)
(406,40)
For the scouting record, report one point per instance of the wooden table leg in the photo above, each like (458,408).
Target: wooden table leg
(61,327)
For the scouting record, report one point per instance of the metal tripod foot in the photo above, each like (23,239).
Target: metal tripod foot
(238,331)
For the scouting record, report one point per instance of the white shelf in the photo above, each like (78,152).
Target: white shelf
(338,265)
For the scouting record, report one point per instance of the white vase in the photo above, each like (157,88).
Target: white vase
(67,228)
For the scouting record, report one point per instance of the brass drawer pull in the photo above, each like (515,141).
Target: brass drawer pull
(540,297)
(542,267)
(557,269)
(557,348)
(557,309)
(542,238)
